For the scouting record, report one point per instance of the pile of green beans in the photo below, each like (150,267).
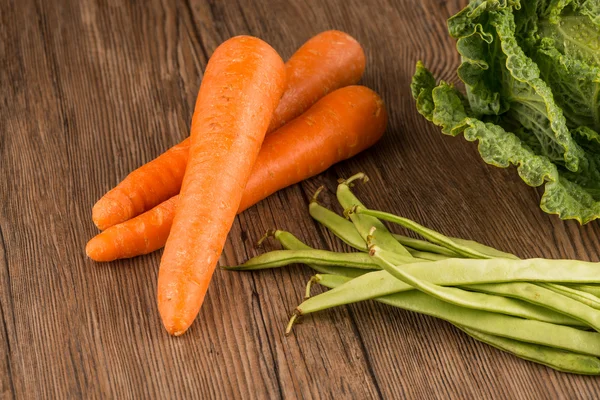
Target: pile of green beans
(546,311)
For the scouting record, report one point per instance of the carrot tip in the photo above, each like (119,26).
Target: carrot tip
(95,250)
(108,212)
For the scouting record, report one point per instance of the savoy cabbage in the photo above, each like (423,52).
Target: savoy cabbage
(531,70)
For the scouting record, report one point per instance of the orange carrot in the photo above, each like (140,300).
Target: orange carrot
(144,188)
(337,127)
(242,85)
(142,234)
(328,61)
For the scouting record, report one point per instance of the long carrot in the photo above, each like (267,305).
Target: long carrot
(326,62)
(337,127)
(242,85)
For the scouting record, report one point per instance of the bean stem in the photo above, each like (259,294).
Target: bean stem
(341,227)
(364,223)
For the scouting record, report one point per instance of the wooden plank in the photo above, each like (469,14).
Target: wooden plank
(93,89)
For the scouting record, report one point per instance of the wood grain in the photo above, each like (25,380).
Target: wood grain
(93,89)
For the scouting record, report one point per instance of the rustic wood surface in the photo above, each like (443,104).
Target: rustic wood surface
(92,89)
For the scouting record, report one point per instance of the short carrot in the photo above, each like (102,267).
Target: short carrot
(337,127)
(326,62)
(242,85)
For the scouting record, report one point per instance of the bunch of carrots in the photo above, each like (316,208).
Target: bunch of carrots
(259,125)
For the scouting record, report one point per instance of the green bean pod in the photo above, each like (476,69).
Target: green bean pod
(281,258)
(346,232)
(463,298)
(581,296)
(538,294)
(551,357)
(458,272)
(559,360)
(425,246)
(291,242)
(429,234)
(364,223)
(340,226)
(591,289)
(482,248)
(529,331)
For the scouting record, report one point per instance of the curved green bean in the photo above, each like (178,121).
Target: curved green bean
(349,291)
(582,297)
(364,223)
(345,230)
(429,234)
(525,330)
(554,358)
(463,298)
(459,272)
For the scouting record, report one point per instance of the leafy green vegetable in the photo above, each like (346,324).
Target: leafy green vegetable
(532,76)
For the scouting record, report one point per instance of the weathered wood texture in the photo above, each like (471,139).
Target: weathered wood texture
(92,89)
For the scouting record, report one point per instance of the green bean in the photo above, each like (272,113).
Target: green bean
(364,223)
(463,298)
(423,255)
(429,234)
(482,248)
(582,297)
(525,330)
(361,289)
(423,245)
(457,272)
(280,258)
(340,226)
(572,311)
(345,230)
(554,358)
(591,289)
(291,242)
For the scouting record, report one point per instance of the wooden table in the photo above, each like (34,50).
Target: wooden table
(92,89)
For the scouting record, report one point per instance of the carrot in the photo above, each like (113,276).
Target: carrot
(242,85)
(144,188)
(328,61)
(337,127)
